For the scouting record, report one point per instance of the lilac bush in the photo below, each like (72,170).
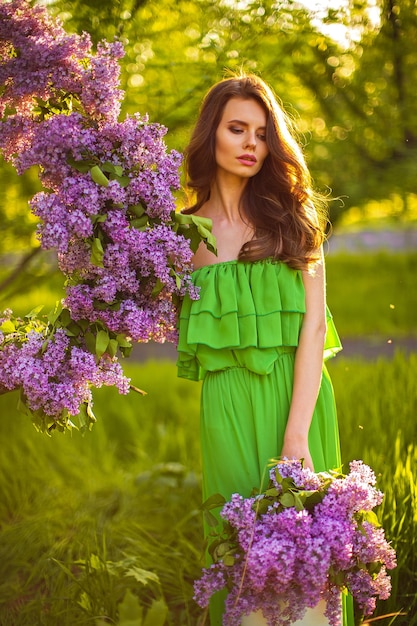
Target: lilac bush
(307,537)
(107,208)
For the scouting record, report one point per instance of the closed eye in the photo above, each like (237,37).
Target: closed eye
(238,131)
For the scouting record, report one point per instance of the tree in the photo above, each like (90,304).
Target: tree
(351,98)
(371,120)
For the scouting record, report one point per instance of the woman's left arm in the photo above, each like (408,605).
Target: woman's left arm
(308,366)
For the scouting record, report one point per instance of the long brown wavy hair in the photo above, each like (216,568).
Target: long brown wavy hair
(279,202)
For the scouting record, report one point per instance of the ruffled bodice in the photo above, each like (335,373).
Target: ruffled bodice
(247,315)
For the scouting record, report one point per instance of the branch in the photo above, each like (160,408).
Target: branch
(25,261)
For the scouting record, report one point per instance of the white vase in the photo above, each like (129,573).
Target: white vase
(312,617)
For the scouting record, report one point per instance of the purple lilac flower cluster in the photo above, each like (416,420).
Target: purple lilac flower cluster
(123,270)
(41,64)
(306,538)
(108,205)
(55,376)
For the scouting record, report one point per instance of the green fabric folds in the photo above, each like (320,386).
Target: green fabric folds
(249,312)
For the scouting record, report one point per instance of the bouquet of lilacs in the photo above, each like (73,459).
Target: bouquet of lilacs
(307,537)
(107,208)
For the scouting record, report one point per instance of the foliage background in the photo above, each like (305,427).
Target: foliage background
(94,528)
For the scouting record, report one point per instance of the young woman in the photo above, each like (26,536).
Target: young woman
(260,331)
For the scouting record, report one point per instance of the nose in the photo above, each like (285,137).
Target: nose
(250,141)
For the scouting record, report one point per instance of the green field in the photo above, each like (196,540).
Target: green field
(373,294)
(106,528)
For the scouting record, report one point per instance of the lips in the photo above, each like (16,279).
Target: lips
(247,159)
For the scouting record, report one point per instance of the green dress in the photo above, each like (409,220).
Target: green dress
(240,337)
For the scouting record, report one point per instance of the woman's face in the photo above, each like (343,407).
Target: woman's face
(240,138)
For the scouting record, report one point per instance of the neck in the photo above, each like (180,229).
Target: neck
(225,196)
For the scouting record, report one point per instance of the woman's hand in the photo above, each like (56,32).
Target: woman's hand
(298,450)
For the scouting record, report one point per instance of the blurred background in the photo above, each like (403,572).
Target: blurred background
(106,528)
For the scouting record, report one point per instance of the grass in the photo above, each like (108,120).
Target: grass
(85,519)
(377,404)
(98,528)
(373,294)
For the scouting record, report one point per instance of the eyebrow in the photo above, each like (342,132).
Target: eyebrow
(244,124)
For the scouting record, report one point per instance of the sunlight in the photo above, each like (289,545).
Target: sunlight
(342,34)
(319,11)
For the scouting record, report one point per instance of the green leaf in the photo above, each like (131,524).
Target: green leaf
(83,324)
(194,237)
(122,180)
(278,476)
(287,484)
(223,548)
(298,502)
(65,318)
(156,614)
(85,417)
(98,176)
(22,406)
(140,223)
(102,342)
(204,230)
(229,560)
(159,285)
(178,281)
(123,342)
(97,253)
(74,329)
(98,219)
(312,499)
(213,502)
(112,347)
(210,519)
(117,170)
(80,166)
(137,209)
(142,576)
(90,342)
(204,224)
(7,327)
(55,313)
(34,312)
(374,568)
(338,578)
(126,350)
(287,500)
(196,229)
(261,506)
(130,610)
(96,563)
(369,516)
(91,415)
